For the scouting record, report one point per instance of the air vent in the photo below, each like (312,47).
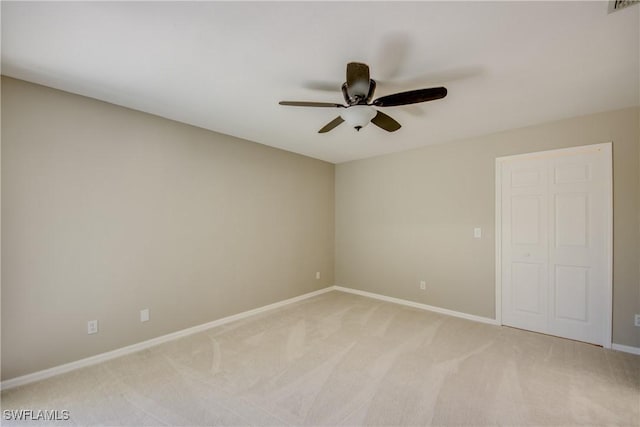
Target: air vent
(615,5)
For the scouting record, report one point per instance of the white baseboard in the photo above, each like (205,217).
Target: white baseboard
(57,370)
(619,347)
(67,367)
(419,305)
(626,348)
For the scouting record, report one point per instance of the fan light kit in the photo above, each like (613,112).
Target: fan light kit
(358,116)
(358,91)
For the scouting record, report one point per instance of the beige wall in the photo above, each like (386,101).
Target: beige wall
(406,217)
(106,211)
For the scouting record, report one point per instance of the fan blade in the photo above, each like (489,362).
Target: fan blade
(357,72)
(385,122)
(310,104)
(324,86)
(333,123)
(357,80)
(411,97)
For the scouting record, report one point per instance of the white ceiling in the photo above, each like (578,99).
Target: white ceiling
(225,65)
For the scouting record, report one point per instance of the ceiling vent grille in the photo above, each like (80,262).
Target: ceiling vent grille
(615,5)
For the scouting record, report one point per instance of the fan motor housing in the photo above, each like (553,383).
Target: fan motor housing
(358,98)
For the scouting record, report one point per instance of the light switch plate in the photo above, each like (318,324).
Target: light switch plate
(477,232)
(92,327)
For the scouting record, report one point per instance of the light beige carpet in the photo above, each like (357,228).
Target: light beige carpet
(341,359)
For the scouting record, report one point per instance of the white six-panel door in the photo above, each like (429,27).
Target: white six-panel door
(554,242)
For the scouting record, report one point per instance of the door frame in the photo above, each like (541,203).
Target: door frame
(606,148)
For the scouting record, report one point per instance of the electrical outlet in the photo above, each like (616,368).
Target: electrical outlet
(92,327)
(423,285)
(317,275)
(637,320)
(144,315)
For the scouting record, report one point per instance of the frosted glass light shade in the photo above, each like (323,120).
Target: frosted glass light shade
(358,116)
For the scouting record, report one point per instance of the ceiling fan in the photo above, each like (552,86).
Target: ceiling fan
(358,91)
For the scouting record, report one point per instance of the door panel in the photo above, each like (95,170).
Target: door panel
(525,178)
(571,293)
(525,217)
(568,173)
(578,257)
(527,280)
(571,219)
(526,229)
(554,233)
